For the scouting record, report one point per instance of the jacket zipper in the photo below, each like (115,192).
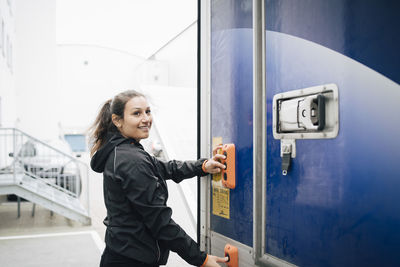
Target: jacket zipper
(159,251)
(115,158)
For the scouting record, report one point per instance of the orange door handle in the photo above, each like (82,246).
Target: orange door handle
(232,253)
(229,174)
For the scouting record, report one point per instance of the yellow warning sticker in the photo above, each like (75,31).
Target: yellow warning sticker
(220,201)
(220,194)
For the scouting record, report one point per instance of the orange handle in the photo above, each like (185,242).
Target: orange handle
(229,174)
(232,253)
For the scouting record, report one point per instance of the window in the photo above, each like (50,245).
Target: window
(0,112)
(2,38)
(8,51)
(76,141)
(8,55)
(10,6)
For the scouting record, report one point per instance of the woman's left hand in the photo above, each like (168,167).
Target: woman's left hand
(214,165)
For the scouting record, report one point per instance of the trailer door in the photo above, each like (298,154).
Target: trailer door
(308,91)
(227,117)
(337,205)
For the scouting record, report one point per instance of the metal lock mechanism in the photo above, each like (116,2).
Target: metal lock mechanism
(288,151)
(303,114)
(309,113)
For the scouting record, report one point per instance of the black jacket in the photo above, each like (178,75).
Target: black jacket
(139,223)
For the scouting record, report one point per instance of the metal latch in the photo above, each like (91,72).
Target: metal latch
(302,114)
(308,113)
(288,151)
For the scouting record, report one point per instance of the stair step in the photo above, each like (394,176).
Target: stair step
(38,191)
(8,178)
(30,167)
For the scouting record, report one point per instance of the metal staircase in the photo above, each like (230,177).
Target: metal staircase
(44,175)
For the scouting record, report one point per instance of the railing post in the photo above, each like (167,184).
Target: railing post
(45,165)
(14,154)
(87,190)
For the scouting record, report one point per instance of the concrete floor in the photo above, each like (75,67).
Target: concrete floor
(24,239)
(66,249)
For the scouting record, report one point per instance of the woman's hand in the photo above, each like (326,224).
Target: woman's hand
(214,165)
(212,261)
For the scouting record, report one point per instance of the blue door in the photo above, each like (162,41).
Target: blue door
(232,112)
(338,205)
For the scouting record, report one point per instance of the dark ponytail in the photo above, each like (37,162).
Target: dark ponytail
(103,124)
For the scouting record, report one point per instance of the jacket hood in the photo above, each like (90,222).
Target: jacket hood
(99,159)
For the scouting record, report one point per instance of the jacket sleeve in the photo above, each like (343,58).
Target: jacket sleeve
(148,197)
(179,170)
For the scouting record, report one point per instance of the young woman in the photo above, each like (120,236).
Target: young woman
(140,231)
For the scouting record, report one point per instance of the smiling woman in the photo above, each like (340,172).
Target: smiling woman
(140,231)
(136,121)
(111,118)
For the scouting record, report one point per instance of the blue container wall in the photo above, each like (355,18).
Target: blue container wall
(232,108)
(338,205)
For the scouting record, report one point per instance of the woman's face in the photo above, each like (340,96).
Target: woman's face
(137,119)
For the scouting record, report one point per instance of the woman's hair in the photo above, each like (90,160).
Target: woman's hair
(103,124)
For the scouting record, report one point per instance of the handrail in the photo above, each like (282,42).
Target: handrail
(50,184)
(14,148)
(43,143)
(26,157)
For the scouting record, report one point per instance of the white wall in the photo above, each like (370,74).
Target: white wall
(50,85)
(65,84)
(7,64)
(181,55)
(87,77)
(176,101)
(35,71)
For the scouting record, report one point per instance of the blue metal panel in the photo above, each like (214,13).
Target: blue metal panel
(365,30)
(338,206)
(232,108)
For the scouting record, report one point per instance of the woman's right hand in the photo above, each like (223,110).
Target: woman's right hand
(214,164)
(212,261)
